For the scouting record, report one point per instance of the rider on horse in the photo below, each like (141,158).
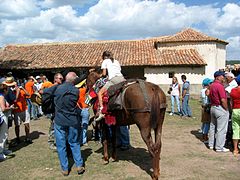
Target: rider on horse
(112,68)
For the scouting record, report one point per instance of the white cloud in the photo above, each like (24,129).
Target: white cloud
(228,23)
(111,19)
(233,48)
(16,9)
(58,3)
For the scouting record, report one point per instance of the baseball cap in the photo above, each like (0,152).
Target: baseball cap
(219,73)
(207,81)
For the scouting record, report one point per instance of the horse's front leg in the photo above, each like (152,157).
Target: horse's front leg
(114,139)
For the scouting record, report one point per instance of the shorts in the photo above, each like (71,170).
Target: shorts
(21,117)
(236,123)
(113,81)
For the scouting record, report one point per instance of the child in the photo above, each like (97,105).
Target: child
(206,118)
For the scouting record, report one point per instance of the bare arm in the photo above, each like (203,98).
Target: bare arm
(104,72)
(3,104)
(224,104)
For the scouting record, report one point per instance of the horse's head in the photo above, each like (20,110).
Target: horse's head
(92,77)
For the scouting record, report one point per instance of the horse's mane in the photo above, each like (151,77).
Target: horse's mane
(92,78)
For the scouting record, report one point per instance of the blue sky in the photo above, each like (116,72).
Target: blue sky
(39,21)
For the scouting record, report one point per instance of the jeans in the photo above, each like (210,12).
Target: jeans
(31,108)
(85,119)
(173,98)
(70,134)
(3,132)
(218,127)
(123,136)
(205,127)
(186,111)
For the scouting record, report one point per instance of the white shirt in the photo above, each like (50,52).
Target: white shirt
(231,85)
(175,89)
(113,68)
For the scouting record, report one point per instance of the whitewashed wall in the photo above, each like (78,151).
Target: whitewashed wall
(213,53)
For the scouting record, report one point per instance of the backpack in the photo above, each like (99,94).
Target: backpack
(48,106)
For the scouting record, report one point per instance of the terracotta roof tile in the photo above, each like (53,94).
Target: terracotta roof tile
(190,35)
(88,54)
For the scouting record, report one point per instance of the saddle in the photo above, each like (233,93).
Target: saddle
(116,92)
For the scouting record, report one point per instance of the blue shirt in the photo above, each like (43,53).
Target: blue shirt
(186,86)
(66,110)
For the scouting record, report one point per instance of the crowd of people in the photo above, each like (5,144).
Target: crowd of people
(220,98)
(221,112)
(25,100)
(20,100)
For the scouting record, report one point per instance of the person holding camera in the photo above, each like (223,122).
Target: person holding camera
(174,91)
(20,110)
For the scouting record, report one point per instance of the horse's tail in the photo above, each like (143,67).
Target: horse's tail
(155,108)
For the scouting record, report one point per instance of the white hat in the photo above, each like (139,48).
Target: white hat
(38,77)
(229,74)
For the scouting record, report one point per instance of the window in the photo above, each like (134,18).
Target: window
(171,74)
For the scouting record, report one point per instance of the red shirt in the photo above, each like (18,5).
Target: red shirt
(217,92)
(235,95)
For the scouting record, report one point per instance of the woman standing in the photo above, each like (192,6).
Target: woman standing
(235,95)
(4,113)
(175,92)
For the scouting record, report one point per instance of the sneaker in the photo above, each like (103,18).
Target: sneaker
(222,150)
(80,170)
(2,157)
(210,147)
(7,152)
(100,117)
(170,113)
(65,173)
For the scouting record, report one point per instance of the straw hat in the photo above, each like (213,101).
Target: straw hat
(9,81)
(36,98)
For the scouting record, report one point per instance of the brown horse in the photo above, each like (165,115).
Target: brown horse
(145,106)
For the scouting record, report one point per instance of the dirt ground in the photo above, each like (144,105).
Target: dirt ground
(183,156)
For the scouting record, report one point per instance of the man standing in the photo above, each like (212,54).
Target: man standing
(58,78)
(219,113)
(67,123)
(186,110)
(29,86)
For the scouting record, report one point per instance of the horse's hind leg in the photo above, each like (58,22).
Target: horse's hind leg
(146,136)
(157,148)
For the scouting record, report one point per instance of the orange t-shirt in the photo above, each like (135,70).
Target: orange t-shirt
(29,87)
(21,103)
(46,84)
(82,98)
